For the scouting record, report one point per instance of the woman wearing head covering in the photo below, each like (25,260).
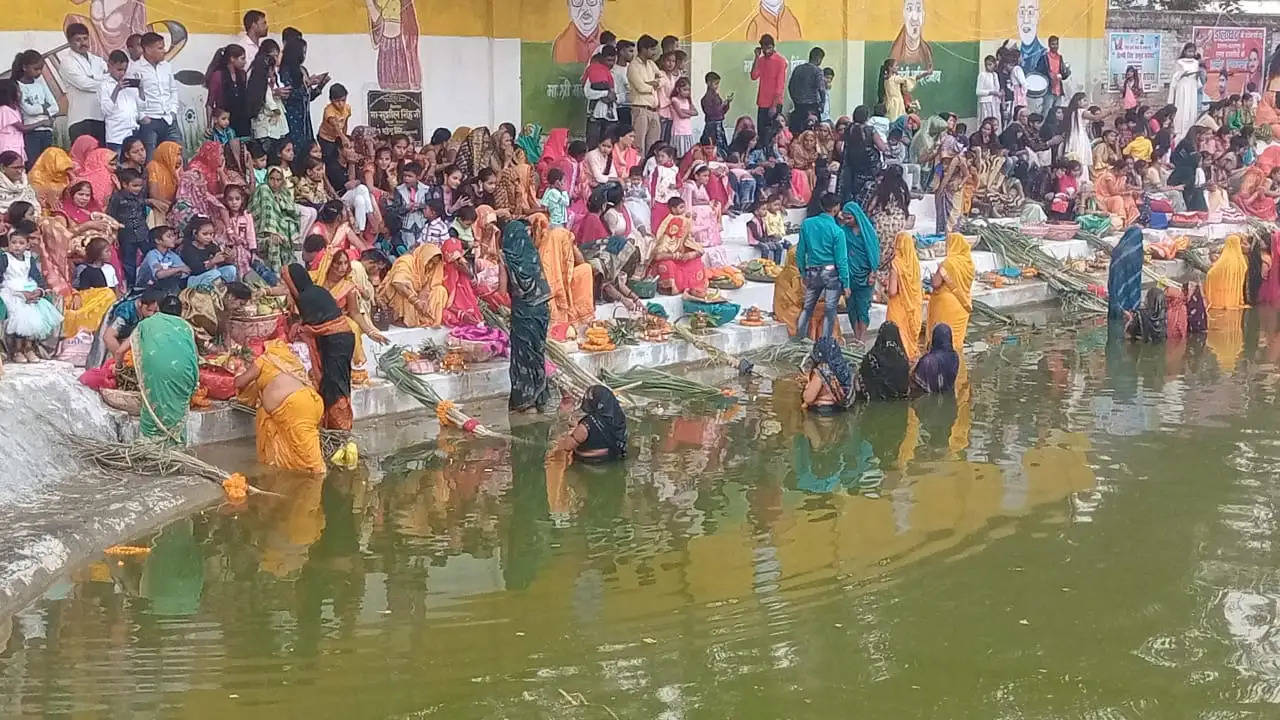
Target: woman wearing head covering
(199,187)
(1149,323)
(488,258)
(864,259)
(1175,314)
(517,190)
(288,428)
(164,352)
(162,172)
(936,372)
(14,184)
(1197,311)
(96,169)
(677,258)
(476,154)
(1124,277)
(567,272)
(275,218)
(80,150)
(530,318)
(885,371)
(414,288)
(952,299)
(330,340)
(1269,293)
(830,386)
(50,175)
(348,283)
(601,434)
(788,301)
(906,293)
(463,308)
(1224,284)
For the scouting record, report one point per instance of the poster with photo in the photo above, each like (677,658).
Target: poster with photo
(1133,49)
(1236,53)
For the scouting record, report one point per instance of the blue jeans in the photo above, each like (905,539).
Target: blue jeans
(36,142)
(771,248)
(130,253)
(227,273)
(744,192)
(268,275)
(823,282)
(153,132)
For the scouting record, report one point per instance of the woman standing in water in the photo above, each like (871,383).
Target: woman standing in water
(530,318)
(1124,277)
(601,434)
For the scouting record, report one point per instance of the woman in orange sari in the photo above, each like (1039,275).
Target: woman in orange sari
(414,288)
(1259,189)
(289,410)
(567,272)
(162,173)
(517,189)
(804,152)
(348,283)
(677,258)
(1114,195)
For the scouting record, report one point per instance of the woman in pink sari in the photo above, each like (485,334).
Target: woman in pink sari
(97,169)
(705,213)
(463,308)
(199,188)
(80,150)
(677,256)
(1269,293)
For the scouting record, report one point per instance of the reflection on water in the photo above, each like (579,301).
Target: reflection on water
(1085,531)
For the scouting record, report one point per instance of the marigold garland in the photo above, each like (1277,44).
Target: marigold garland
(126,550)
(442,412)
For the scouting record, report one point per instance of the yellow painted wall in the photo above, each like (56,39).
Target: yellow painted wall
(544,20)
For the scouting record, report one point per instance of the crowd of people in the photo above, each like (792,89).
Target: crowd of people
(360,231)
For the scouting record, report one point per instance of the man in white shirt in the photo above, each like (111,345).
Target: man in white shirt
(255,28)
(158,109)
(82,73)
(118,101)
(133,46)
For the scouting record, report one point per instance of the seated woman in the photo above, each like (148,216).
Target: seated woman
(1259,190)
(885,371)
(463,307)
(677,257)
(804,154)
(830,387)
(489,274)
(1112,191)
(96,287)
(50,175)
(330,342)
(414,288)
(517,188)
(601,434)
(567,272)
(162,175)
(705,214)
(289,410)
(334,223)
(14,185)
(275,218)
(200,190)
(936,372)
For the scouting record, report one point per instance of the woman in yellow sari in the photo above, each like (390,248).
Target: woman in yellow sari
(92,296)
(906,294)
(567,272)
(289,410)
(1224,284)
(952,298)
(788,300)
(414,288)
(50,175)
(162,173)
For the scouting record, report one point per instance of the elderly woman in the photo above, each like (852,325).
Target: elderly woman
(275,218)
(414,288)
(517,190)
(14,186)
(199,189)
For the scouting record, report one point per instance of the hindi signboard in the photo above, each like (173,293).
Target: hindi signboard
(1136,49)
(1236,53)
(396,113)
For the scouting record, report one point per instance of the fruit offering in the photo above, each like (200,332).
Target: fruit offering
(597,339)
(752,317)
(453,362)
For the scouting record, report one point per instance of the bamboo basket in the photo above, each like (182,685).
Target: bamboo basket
(253,327)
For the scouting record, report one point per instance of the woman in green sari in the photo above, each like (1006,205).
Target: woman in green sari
(530,318)
(164,355)
(275,219)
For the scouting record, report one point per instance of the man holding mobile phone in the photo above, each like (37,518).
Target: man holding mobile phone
(118,99)
(770,70)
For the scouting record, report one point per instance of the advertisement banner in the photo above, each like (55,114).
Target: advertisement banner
(1136,49)
(1235,54)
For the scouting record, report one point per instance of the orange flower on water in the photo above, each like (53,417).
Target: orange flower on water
(236,486)
(442,412)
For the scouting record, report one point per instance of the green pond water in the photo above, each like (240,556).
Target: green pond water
(1086,533)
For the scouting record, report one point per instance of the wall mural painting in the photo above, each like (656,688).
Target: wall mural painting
(774,18)
(580,38)
(393,26)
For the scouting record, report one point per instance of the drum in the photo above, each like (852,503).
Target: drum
(1037,85)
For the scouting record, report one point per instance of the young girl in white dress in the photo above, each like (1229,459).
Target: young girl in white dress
(32,318)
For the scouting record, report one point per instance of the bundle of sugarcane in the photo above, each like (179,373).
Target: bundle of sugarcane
(572,379)
(1097,242)
(714,354)
(1196,258)
(1073,288)
(984,312)
(796,352)
(392,366)
(656,383)
(157,459)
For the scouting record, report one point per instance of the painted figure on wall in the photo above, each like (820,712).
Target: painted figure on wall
(910,47)
(393,26)
(110,23)
(581,37)
(774,18)
(1033,51)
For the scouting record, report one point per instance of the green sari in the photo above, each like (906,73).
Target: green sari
(164,353)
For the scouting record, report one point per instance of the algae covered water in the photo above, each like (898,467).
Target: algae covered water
(1085,533)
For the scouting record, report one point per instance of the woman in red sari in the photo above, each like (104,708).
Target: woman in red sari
(1269,293)
(1259,189)
(718,184)
(677,259)
(463,308)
